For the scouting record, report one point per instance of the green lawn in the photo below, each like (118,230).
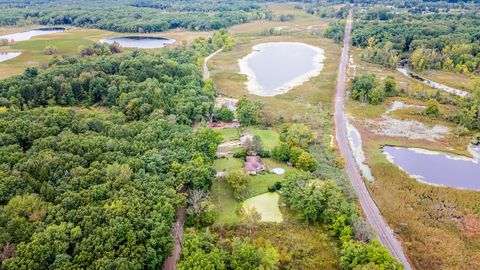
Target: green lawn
(270,138)
(259,184)
(272,163)
(221,192)
(227,164)
(267,205)
(222,197)
(64,46)
(230,134)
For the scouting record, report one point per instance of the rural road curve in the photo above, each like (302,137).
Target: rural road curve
(370,209)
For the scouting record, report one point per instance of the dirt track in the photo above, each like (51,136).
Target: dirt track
(177,233)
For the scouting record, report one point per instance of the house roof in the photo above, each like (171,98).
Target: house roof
(253,164)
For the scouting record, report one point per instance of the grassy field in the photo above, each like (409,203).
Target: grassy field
(440,227)
(68,43)
(227,164)
(221,191)
(455,80)
(230,134)
(266,205)
(226,205)
(270,138)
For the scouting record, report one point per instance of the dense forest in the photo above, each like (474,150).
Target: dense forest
(132,16)
(438,35)
(431,40)
(98,188)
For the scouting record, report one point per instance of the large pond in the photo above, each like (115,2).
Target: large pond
(140,42)
(436,168)
(8,56)
(29,34)
(275,68)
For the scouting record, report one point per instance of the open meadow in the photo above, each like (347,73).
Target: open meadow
(69,43)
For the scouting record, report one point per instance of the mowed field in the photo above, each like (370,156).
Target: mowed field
(440,226)
(69,42)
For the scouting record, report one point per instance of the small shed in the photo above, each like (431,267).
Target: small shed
(253,165)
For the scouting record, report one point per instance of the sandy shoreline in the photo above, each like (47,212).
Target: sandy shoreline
(8,55)
(357,151)
(255,88)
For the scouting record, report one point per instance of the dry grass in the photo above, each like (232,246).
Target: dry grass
(295,104)
(434,222)
(300,246)
(430,219)
(455,80)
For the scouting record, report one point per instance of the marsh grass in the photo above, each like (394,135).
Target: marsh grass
(429,219)
(455,80)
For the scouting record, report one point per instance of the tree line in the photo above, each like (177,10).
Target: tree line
(136,17)
(442,41)
(96,185)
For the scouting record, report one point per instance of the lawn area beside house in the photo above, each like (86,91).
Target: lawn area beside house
(270,138)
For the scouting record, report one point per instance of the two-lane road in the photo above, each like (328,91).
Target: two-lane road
(370,209)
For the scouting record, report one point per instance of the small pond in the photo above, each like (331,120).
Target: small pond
(29,34)
(275,68)
(436,168)
(140,42)
(8,56)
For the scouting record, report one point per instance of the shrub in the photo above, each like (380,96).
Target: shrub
(299,135)
(390,86)
(306,162)
(50,50)
(224,114)
(295,153)
(238,180)
(432,109)
(281,152)
(376,95)
(365,89)
(264,153)
(240,153)
(276,186)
